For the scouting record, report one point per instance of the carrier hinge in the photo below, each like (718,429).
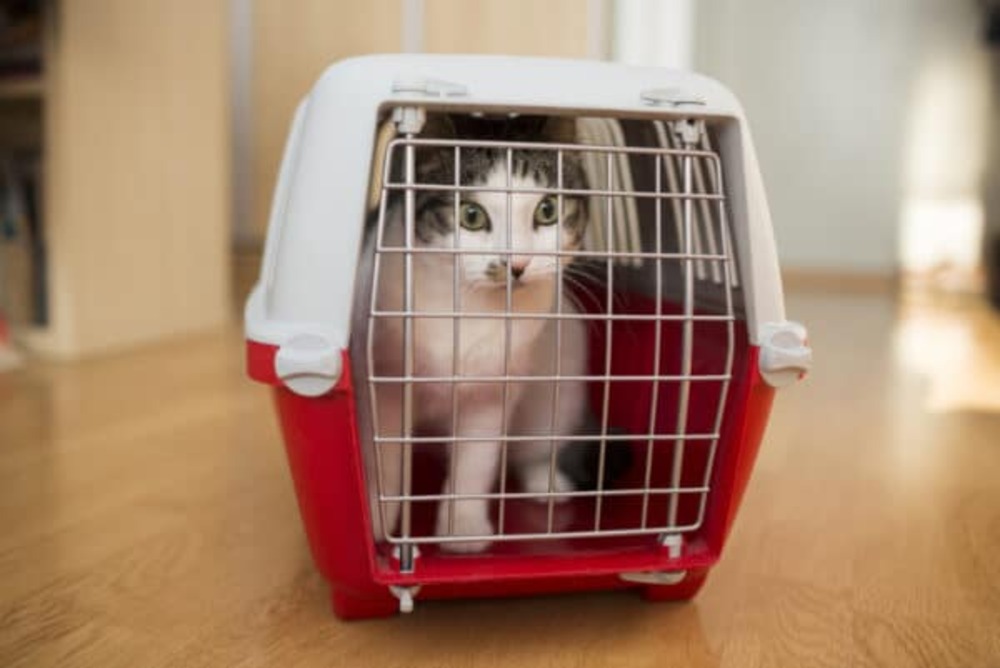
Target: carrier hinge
(689,131)
(409,120)
(673,542)
(406,556)
(406,596)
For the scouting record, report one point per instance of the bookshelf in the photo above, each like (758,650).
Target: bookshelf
(22,250)
(129,116)
(22,88)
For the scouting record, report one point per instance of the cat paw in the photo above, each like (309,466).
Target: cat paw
(468,521)
(535,480)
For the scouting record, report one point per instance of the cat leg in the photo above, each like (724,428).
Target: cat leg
(538,414)
(475,471)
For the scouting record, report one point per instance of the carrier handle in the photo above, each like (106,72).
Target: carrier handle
(670,97)
(429,86)
(785,354)
(308,364)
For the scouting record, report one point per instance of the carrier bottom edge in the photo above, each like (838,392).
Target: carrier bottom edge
(373,600)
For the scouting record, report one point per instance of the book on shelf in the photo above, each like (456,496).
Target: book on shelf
(23,290)
(20,39)
(10,358)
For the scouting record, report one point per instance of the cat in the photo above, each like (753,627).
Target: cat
(486,410)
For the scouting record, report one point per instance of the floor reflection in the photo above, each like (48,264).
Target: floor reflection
(955,344)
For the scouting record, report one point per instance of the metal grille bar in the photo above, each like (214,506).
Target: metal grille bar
(406,553)
(581,192)
(654,401)
(547,378)
(456,342)
(609,304)
(584,494)
(561,438)
(624,317)
(409,140)
(555,535)
(730,345)
(581,254)
(557,353)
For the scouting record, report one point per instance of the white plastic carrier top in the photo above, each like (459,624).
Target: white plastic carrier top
(307,280)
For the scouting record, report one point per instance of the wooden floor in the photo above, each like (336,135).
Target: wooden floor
(147,519)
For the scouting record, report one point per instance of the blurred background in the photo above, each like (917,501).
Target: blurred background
(139,140)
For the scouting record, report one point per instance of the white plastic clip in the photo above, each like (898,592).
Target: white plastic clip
(405,596)
(785,355)
(406,557)
(308,364)
(673,543)
(409,120)
(689,131)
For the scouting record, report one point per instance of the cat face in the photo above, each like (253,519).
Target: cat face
(501,231)
(491,223)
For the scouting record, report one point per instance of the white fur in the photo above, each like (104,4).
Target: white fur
(481,344)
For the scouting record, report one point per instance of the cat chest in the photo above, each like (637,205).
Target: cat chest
(476,347)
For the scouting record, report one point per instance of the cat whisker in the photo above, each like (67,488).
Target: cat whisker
(582,290)
(597,292)
(591,273)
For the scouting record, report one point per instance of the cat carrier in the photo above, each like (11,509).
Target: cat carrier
(670,283)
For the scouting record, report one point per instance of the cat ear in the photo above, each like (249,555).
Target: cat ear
(440,126)
(531,127)
(560,129)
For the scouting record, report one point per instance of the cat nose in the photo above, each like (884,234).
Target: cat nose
(517,269)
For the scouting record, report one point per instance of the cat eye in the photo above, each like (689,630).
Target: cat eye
(547,211)
(473,217)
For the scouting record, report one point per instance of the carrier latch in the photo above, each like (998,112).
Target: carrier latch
(785,355)
(429,87)
(670,97)
(308,364)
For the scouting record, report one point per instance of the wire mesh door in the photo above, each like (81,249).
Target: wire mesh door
(660,353)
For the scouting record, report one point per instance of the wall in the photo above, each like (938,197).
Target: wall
(831,91)
(137,172)
(516,27)
(295,39)
(653,32)
(293,42)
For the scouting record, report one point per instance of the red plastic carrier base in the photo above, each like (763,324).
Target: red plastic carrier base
(325,458)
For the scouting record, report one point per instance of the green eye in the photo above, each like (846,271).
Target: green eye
(547,211)
(473,217)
